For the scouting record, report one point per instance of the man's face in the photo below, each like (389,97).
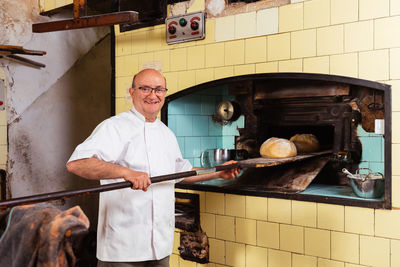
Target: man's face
(148,104)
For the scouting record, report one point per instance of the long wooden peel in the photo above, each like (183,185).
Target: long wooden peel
(249,163)
(107,187)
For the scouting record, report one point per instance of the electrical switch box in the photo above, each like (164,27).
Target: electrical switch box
(184,28)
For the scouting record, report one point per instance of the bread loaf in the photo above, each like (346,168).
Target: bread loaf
(305,143)
(278,148)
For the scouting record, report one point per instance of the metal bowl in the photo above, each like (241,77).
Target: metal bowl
(370,185)
(215,157)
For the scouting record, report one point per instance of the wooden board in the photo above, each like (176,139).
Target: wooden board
(268,162)
(291,178)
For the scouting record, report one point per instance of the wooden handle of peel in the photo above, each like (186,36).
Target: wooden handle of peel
(107,187)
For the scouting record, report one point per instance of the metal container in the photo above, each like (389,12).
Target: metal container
(370,185)
(215,157)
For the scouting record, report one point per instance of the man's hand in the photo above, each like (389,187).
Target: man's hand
(96,169)
(229,174)
(139,180)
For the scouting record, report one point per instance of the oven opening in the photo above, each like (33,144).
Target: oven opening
(349,117)
(324,134)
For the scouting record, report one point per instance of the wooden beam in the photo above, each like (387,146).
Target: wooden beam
(125,17)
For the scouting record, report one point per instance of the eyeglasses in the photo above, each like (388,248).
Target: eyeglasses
(160,91)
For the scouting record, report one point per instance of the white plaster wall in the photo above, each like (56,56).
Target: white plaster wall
(50,110)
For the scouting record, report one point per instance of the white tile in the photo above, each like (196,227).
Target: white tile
(224,28)
(267,21)
(245,25)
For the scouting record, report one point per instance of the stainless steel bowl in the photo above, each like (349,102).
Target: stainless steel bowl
(369,185)
(215,157)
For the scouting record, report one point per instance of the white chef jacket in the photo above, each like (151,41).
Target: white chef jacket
(135,225)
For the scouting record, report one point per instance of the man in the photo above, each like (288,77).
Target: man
(135,227)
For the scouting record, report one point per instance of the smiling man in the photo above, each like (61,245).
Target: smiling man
(135,227)
(144,84)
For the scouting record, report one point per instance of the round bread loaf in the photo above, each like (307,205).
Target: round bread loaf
(305,143)
(278,148)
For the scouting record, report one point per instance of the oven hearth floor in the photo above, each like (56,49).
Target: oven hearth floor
(335,191)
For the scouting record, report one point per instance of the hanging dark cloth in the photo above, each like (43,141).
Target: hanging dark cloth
(40,235)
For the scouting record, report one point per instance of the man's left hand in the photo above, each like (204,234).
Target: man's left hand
(229,174)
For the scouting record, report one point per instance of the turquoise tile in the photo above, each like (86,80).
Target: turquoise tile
(363,164)
(176,106)
(377,167)
(230,129)
(361,132)
(228,142)
(192,105)
(240,122)
(172,123)
(214,129)
(184,125)
(181,143)
(191,161)
(371,148)
(192,147)
(220,143)
(208,105)
(196,162)
(208,142)
(200,125)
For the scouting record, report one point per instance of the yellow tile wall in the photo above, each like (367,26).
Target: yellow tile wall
(356,38)
(304,43)
(330,40)
(235,254)
(234,52)
(291,17)
(344,11)
(291,238)
(255,50)
(316,13)
(47,5)
(256,256)
(316,65)
(3,126)
(345,247)
(268,234)
(303,261)
(371,9)
(374,251)
(277,258)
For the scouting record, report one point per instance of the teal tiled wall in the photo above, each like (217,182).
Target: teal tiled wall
(373,150)
(190,118)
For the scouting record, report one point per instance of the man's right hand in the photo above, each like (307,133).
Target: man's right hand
(139,180)
(96,169)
